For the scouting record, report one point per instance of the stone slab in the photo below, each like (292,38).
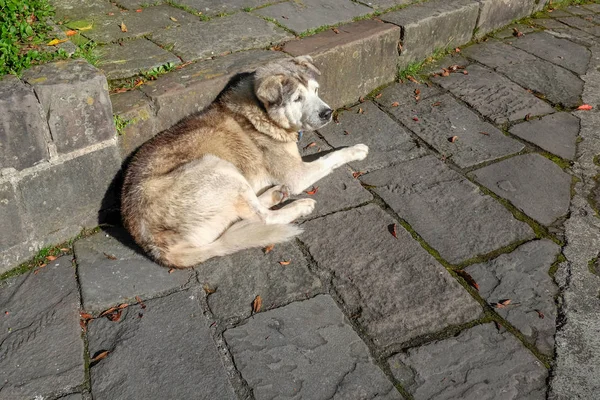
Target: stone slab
(23,126)
(70,194)
(338,190)
(75,100)
(41,351)
(212,8)
(433,25)
(549,23)
(578,10)
(493,95)
(137,109)
(107,29)
(70,10)
(555,133)
(440,118)
(574,35)
(200,40)
(184,92)
(561,52)
(240,277)
(580,23)
(353,62)
(394,289)
(388,142)
(557,84)
(306,350)
(480,363)
(522,277)
(162,351)
(532,183)
(132,57)
(447,210)
(11,215)
(498,13)
(113,270)
(311,14)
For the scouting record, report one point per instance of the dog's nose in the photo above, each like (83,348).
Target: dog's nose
(326,114)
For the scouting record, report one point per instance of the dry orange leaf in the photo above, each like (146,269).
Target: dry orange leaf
(357,174)
(360,111)
(335,30)
(99,356)
(311,144)
(585,107)
(85,316)
(138,10)
(257,304)
(51,258)
(314,190)
(517,33)
(395,104)
(287,262)
(123,27)
(468,278)
(540,314)
(171,270)
(379,95)
(269,248)
(70,32)
(437,103)
(393,230)
(83,325)
(208,289)
(465,72)
(412,79)
(445,73)
(361,99)
(115,316)
(417,92)
(453,139)
(457,49)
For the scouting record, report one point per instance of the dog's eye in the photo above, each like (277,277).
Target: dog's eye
(299,98)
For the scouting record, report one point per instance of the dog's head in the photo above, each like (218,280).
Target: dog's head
(290,93)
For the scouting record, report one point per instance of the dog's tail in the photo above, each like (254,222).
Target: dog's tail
(241,235)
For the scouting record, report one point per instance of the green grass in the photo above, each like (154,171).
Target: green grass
(120,123)
(158,71)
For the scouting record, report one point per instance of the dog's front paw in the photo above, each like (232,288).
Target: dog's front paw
(358,152)
(305,206)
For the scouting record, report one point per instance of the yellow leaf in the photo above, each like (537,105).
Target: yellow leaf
(54,42)
(123,27)
(257,304)
(173,19)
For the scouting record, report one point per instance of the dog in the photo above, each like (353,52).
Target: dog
(205,187)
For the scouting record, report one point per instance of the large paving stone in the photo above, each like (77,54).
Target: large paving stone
(70,195)
(555,133)
(41,350)
(200,40)
(76,9)
(184,92)
(239,278)
(306,350)
(573,35)
(433,25)
(480,363)
(131,57)
(11,215)
(107,29)
(388,142)
(113,270)
(137,109)
(447,210)
(522,277)
(338,190)
(311,14)
(580,23)
(493,95)
(75,100)
(353,62)
(557,84)
(23,127)
(448,118)
(215,8)
(498,13)
(559,51)
(392,286)
(162,351)
(532,183)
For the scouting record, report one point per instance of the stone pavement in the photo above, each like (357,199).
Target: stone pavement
(460,260)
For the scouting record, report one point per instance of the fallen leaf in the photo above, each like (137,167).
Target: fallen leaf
(395,104)
(517,33)
(416,119)
(122,306)
(83,325)
(505,302)
(171,270)
(465,72)
(417,92)
(357,174)
(346,133)
(140,10)
(436,104)
(360,111)
(99,356)
(110,256)
(585,107)
(54,42)
(85,316)
(63,249)
(314,190)
(453,139)
(51,258)
(173,19)
(123,27)
(115,316)
(361,99)
(335,30)
(111,13)
(140,302)
(527,117)
(412,79)
(540,314)
(468,278)
(393,230)
(311,144)
(269,248)
(445,73)
(287,262)
(257,304)
(379,95)
(485,133)
(457,50)
(208,289)
(71,32)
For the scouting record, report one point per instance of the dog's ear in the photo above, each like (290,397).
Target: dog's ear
(307,62)
(269,90)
